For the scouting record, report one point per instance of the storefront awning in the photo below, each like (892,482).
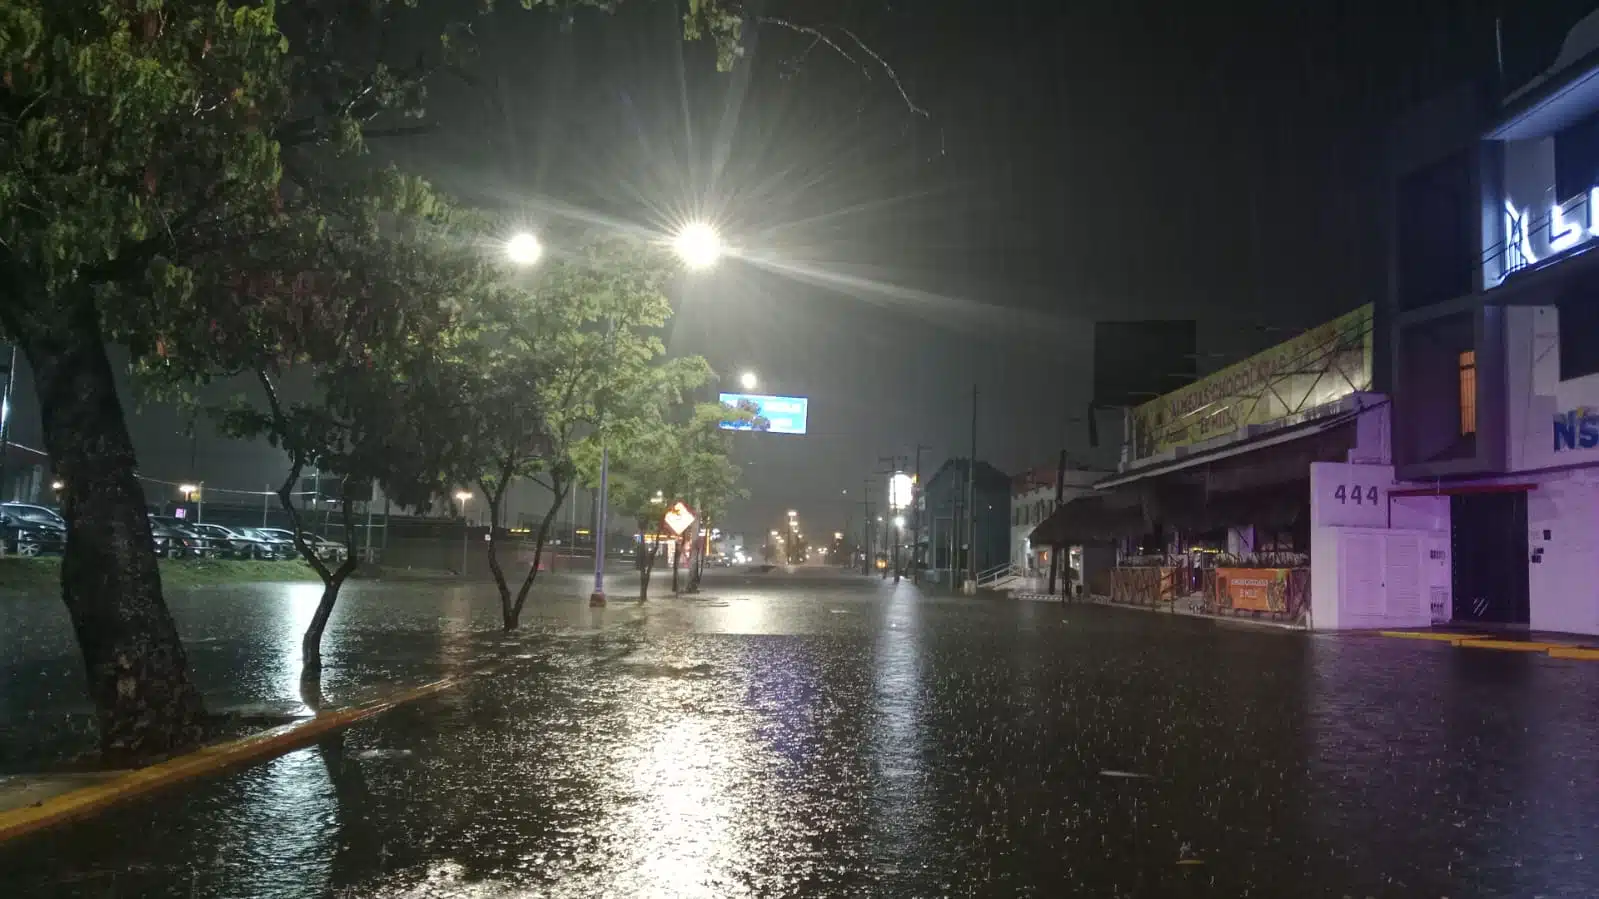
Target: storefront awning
(1327,436)
(1095,518)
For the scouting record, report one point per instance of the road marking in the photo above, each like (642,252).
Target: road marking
(1438,636)
(1581,653)
(1509,645)
(207,760)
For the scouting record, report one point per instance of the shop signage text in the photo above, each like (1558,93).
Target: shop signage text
(1569,225)
(1257,390)
(1577,429)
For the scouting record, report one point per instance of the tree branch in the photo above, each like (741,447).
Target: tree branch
(881,63)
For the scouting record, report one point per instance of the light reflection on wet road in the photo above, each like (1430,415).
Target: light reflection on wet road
(847,739)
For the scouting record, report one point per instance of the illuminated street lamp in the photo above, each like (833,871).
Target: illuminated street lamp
(524,249)
(463,496)
(838,535)
(698,245)
(748,381)
(899,522)
(900,487)
(57,485)
(191,494)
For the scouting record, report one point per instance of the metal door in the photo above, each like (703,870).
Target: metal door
(1488,534)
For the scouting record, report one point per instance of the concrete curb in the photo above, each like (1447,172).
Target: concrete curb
(1571,651)
(202,762)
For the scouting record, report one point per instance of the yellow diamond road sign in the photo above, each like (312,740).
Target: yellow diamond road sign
(679,517)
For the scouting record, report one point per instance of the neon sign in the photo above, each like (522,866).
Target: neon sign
(1569,224)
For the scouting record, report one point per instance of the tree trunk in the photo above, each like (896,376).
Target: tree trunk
(332,579)
(648,567)
(696,558)
(507,617)
(515,618)
(137,672)
(311,646)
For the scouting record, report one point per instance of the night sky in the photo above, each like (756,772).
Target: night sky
(1076,161)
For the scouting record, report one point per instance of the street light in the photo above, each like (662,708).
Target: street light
(899,522)
(524,249)
(190,492)
(698,245)
(463,496)
(748,381)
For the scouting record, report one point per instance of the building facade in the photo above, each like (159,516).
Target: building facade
(1494,342)
(1032,499)
(942,507)
(1217,505)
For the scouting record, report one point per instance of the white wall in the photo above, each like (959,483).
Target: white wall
(1376,560)
(1535,394)
(1563,571)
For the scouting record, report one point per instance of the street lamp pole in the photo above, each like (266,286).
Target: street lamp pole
(597,598)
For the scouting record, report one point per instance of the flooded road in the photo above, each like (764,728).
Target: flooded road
(820,738)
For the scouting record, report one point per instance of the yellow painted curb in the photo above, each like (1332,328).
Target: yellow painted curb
(1574,652)
(1436,636)
(199,763)
(1510,645)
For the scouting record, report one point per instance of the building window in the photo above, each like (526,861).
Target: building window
(1579,325)
(1577,159)
(1468,392)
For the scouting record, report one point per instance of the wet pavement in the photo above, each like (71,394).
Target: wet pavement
(789,736)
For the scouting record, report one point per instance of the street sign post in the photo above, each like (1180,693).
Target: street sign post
(679,518)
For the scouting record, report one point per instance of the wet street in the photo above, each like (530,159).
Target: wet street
(834,736)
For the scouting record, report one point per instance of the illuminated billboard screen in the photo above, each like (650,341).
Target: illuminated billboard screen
(776,414)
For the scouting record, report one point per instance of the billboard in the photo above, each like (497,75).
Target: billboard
(1137,360)
(781,414)
(1318,367)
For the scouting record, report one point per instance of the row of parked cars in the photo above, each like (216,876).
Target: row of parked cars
(30,530)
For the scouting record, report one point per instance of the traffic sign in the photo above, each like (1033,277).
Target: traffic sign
(679,517)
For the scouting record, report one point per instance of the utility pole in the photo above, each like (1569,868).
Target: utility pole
(894,465)
(868,551)
(5,427)
(1060,496)
(916,518)
(971,501)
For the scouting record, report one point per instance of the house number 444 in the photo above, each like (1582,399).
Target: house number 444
(1356,494)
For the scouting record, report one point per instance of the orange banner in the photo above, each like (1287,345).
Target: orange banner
(1252,589)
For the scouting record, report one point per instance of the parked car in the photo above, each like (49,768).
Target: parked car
(240,543)
(278,545)
(35,512)
(174,543)
(29,530)
(196,545)
(325,549)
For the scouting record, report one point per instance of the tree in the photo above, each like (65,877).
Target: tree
(158,160)
(680,453)
(388,307)
(573,354)
(122,127)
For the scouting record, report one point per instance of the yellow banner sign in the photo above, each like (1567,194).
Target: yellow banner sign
(1321,365)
